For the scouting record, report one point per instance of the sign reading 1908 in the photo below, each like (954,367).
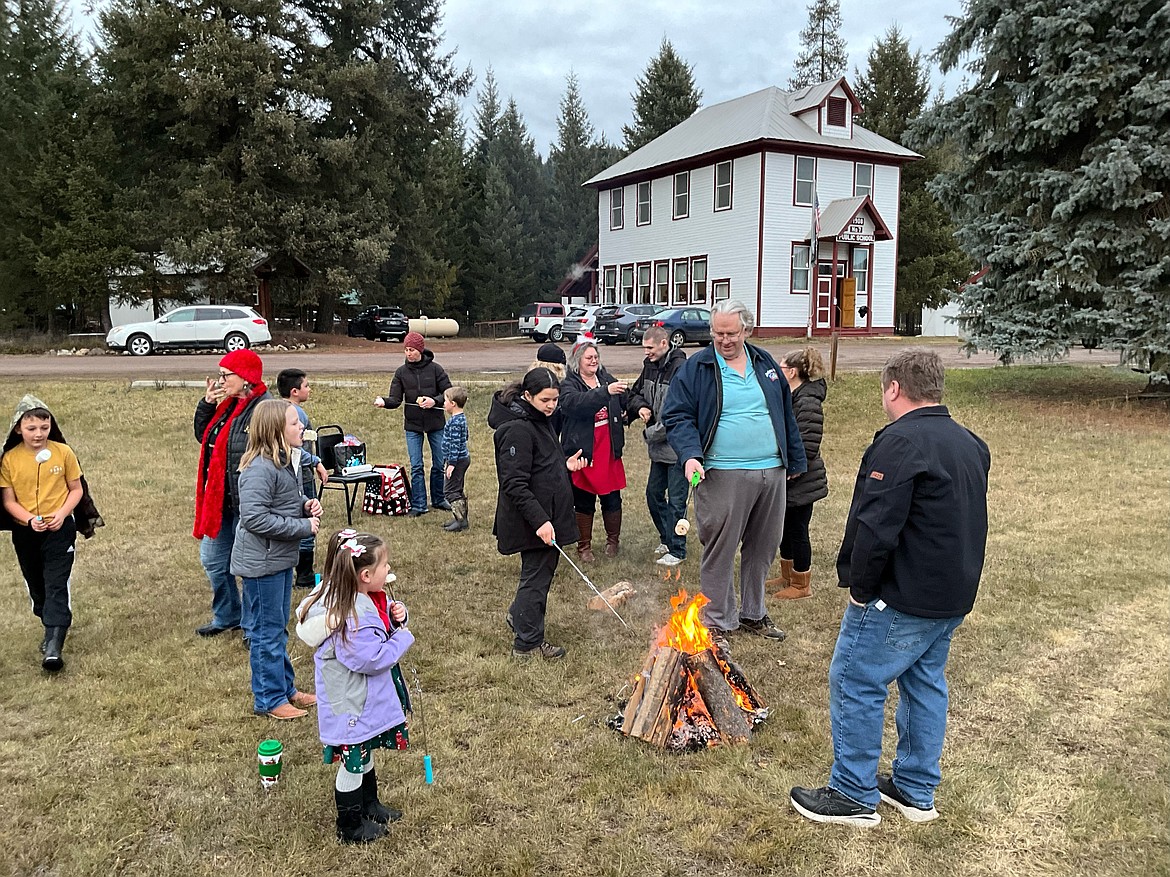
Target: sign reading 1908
(855,233)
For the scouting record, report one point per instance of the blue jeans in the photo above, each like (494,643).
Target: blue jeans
(418,484)
(216,557)
(269,599)
(874,648)
(666,497)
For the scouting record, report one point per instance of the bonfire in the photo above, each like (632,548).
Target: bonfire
(689,694)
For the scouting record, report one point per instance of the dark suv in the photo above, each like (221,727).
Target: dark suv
(616,322)
(379,324)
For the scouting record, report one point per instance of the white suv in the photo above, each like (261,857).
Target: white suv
(581,319)
(230,327)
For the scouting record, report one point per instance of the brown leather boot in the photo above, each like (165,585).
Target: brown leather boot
(784,579)
(613,532)
(798,587)
(585,542)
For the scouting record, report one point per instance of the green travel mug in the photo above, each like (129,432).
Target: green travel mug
(268,754)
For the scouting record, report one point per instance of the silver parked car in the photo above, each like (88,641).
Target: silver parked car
(220,327)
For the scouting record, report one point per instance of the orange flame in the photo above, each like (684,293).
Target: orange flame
(684,630)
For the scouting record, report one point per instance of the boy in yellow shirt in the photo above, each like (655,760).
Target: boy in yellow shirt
(40,486)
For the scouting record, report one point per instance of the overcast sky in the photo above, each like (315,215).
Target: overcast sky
(735,47)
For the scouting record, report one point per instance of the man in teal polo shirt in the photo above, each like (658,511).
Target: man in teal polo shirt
(728,415)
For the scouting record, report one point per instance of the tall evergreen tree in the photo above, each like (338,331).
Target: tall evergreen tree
(281,128)
(893,90)
(575,157)
(665,94)
(823,55)
(1063,190)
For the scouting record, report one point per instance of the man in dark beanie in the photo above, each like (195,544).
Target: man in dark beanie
(419,383)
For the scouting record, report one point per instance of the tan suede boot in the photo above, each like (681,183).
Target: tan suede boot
(784,579)
(585,542)
(798,587)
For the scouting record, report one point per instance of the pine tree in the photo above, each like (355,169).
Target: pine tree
(575,157)
(1063,190)
(60,238)
(665,95)
(824,55)
(299,129)
(893,90)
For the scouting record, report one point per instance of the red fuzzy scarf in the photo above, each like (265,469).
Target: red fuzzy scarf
(209,490)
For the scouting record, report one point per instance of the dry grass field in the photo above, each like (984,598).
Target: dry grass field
(139,759)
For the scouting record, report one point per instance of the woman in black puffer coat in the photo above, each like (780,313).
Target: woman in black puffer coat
(534,507)
(804,370)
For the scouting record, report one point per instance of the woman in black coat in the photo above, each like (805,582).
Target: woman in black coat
(534,507)
(804,370)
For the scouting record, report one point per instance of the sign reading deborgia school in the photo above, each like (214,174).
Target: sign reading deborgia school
(859,230)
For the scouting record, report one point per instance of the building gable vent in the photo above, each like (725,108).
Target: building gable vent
(837,111)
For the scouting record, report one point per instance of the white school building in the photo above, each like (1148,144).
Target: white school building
(776,198)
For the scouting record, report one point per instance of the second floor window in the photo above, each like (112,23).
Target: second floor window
(723,185)
(806,181)
(682,195)
(616,208)
(643,217)
(863,179)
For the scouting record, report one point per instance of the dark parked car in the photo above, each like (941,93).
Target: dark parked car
(684,325)
(616,322)
(379,324)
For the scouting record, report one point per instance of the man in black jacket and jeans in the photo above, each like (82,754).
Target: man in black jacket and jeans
(911,559)
(666,485)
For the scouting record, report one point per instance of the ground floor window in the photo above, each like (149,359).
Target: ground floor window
(721,290)
(627,284)
(643,284)
(699,281)
(609,285)
(662,283)
(800,268)
(861,268)
(680,282)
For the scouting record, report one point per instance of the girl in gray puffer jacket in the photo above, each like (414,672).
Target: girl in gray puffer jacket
(274,517)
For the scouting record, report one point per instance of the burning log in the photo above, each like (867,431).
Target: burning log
(718,697)
(689,694)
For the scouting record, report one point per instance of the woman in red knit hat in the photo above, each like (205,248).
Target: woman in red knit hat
(419,384)
(221,424)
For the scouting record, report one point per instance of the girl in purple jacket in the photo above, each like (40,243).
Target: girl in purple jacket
(359,633)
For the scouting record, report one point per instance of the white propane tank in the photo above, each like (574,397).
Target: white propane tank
(438,328)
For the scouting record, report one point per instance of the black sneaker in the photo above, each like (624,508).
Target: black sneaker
(415,513)
(443,506)
(893,796)
(829,805)
(764,627)
(719,638)
(545,650)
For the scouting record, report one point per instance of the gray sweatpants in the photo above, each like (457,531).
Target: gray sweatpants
(738,510)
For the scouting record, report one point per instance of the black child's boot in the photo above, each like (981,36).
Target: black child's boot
(54,643)
(305,577)
(372,808)
(352,827)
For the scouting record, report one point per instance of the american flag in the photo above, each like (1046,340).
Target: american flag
(816,216)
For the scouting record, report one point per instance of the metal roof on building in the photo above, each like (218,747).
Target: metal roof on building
(765,116)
